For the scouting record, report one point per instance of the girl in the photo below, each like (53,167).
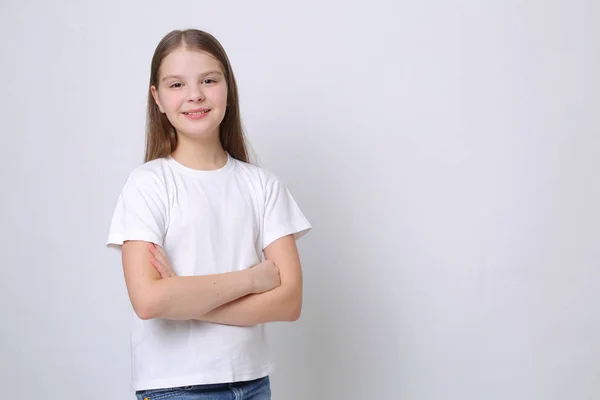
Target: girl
(227,226)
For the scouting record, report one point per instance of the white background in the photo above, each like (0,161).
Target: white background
(446,154)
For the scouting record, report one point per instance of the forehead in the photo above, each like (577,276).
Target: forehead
(184,61)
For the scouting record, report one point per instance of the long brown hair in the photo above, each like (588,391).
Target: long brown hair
(161,137)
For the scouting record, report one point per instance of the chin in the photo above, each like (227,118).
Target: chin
(198,133)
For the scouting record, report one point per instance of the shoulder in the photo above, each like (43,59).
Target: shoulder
(258,175)
(150,175)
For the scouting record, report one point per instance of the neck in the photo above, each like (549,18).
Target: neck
(206,155)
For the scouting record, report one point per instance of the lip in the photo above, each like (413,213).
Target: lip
(196,110)
(196,116)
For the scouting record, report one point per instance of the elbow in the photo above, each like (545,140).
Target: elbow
(294,310)
(294,315)
(146,304)
(145,311)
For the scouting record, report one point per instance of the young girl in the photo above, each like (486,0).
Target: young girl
(207,239)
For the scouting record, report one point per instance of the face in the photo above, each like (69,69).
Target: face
(192,92)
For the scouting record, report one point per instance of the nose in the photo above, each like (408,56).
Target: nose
(195,94)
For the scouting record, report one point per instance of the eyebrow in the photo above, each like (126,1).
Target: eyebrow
(181,77)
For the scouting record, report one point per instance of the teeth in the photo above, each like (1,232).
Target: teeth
(197,113)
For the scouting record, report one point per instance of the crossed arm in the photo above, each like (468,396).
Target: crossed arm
(284,303)
(227,298)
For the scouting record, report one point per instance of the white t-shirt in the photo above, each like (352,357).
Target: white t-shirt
(208,222)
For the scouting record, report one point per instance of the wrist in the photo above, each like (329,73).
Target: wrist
(249,276)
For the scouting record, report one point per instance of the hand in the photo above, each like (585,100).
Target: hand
(161,262)
(265,276)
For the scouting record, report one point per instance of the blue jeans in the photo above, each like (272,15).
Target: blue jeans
(258,389)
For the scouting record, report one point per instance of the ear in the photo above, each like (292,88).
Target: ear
(156,100)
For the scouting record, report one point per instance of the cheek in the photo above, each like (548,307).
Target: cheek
(172,101)
(220,96)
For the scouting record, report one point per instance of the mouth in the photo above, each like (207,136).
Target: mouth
(196,112)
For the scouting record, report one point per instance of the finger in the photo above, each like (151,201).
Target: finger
(164,265)
(156,264)
(161,251)
(160,255)
(161,264)
(160,268)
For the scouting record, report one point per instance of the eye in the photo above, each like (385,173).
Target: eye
(175,85)
(209,81)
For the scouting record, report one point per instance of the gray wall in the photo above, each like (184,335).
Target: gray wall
(446,154)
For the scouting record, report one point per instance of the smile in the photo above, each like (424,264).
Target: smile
(196,112)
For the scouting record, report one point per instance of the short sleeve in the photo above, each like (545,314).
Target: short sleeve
(282,215)
(140,212)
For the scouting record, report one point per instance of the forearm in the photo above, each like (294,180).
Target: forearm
(283,303)
(280,304)
(188,297)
